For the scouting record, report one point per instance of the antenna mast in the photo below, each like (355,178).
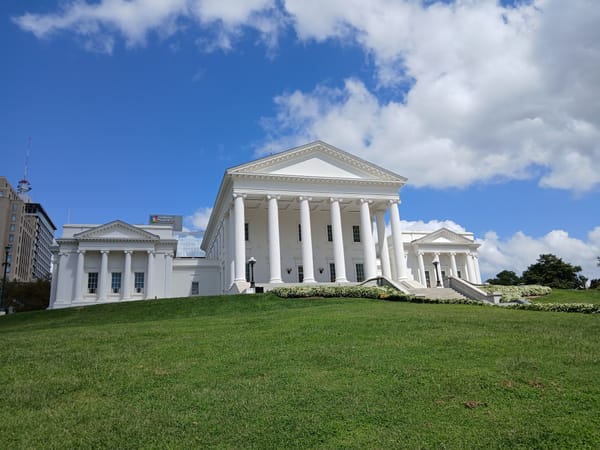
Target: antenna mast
(24,186)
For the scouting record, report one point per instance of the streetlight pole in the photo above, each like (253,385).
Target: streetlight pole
(252,261)
(5,264)
(436,264)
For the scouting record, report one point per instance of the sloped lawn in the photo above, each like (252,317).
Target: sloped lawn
(263,372)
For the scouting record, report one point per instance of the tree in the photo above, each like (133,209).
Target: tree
(550,270)
(505,278)
(28,296)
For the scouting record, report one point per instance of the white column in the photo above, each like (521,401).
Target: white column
(384,254)
(470,270)
(231,260)
(338,242)
(366,236)
(422,269)
(149,279)
(78,294)
(453,264)
(127,275)
(307,253)
(476,267)
(54,284)
(168,273)
(401,271)
(239,238)
(274,249)
(103,279)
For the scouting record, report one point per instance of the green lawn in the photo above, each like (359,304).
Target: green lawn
(261,372)
(571,296)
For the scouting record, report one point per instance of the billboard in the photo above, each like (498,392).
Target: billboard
(167,219)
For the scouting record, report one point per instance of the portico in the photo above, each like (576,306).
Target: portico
(307,215)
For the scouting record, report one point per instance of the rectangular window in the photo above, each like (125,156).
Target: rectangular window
(360,272)
(356,233)
(195,288)
(12,227)
(300,274)
(246,232)
(11,237)
(300,232)
(427,279)
(329,233)
(115,282)
(14,206)
(139,282)
(13,217)
(459,275)
(248,272)
(92,282)
(331,272)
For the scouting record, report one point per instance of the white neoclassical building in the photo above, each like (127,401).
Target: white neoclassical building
(312,214)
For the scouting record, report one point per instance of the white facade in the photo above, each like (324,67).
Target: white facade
(309,215)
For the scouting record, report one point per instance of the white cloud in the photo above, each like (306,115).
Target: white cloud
(498,93)
(519,251)
(432,225)
(97,23)
(495,92)
(199,219)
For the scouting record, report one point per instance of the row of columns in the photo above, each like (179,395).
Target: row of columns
(473,274)
(369,251)
(127,275)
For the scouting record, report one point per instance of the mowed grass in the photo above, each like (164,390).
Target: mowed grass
(262,372)
(570,296)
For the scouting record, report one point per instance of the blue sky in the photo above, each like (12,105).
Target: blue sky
(138,107)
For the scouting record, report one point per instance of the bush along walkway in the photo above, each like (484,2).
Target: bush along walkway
(395,295)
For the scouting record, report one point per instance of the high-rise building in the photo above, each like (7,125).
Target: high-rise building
(28,230)
(44,236)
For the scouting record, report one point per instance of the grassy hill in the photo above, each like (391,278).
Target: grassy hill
(261,372)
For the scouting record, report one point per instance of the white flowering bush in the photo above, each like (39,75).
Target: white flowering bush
(586,308)
(510,293)
(329,291)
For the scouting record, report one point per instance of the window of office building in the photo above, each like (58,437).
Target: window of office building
(92,282)
(360,272)
(115,283)
(356,233)
(139,282)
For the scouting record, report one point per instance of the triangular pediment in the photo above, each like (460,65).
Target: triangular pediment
(443,236)
(116,230)
(317,160)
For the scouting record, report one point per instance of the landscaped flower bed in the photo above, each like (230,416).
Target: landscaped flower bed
(586,308)
(510,293)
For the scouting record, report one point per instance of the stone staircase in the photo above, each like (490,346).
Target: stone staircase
(437,293)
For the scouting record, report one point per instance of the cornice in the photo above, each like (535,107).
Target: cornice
(312,180)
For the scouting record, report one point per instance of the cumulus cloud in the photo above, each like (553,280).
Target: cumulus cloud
(98,22)
(495,90)
(199,219)
(519,251)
